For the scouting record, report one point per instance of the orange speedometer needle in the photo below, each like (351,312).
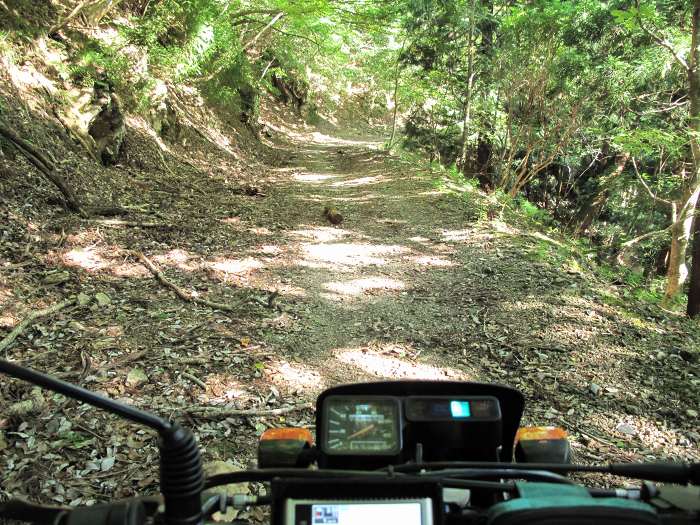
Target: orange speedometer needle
(362,432)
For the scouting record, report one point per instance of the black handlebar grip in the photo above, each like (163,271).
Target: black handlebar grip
(181,477)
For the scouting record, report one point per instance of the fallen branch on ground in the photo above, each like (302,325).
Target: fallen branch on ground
(194,379)
(179,291)
(10,338)
(223,412)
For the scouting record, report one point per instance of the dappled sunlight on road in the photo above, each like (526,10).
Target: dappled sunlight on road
(237,266)
(362,181)
(313,177)
(381,365)
(86,258)
(371,285)
(456,235)
(322,233)
(351,254)
(293,376)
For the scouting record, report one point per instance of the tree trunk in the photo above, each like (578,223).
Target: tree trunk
(694,290)
(676,261)
(468,94)
(396,101)
(484,147)
(595,206)
(680,233)
(694,95)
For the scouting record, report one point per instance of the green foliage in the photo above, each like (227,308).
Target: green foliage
(96,60)
(534,213)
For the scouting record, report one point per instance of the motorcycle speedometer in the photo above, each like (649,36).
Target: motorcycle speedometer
(367,426)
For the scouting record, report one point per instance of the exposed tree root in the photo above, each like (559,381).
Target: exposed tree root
(44,165)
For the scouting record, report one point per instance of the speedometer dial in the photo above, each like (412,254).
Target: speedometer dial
(367,426)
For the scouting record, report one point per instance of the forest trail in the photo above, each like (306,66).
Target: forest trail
(374,297)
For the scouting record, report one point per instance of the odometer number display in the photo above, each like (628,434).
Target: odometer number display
(366,426)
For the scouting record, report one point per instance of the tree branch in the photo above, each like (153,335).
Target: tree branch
(247,12)
(645,236)
(272,22)
(663,43)
(294,35)
(646,186)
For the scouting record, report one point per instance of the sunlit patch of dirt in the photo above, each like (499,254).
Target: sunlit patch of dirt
(654,434)
(419,239)
(322,233)
(7,319)
(294,376)
(387,366)
(368,197)
(270,250)
(260,231)
(456,235)
(351,254)
(431,193)
(313,177)
(366,285)
(178,258)
(86,258)
(237,266)
(84,237)
(362,181)
(322,138)
(129,270)
(222,388)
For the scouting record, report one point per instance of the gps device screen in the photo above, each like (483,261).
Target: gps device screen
(366,514)
(405,512)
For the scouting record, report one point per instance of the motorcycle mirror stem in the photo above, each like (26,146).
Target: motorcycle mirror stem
(181,473)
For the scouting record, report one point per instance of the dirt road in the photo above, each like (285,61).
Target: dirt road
(424,278)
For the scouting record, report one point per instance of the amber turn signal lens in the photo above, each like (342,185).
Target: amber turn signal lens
(540,433)
(292,434)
